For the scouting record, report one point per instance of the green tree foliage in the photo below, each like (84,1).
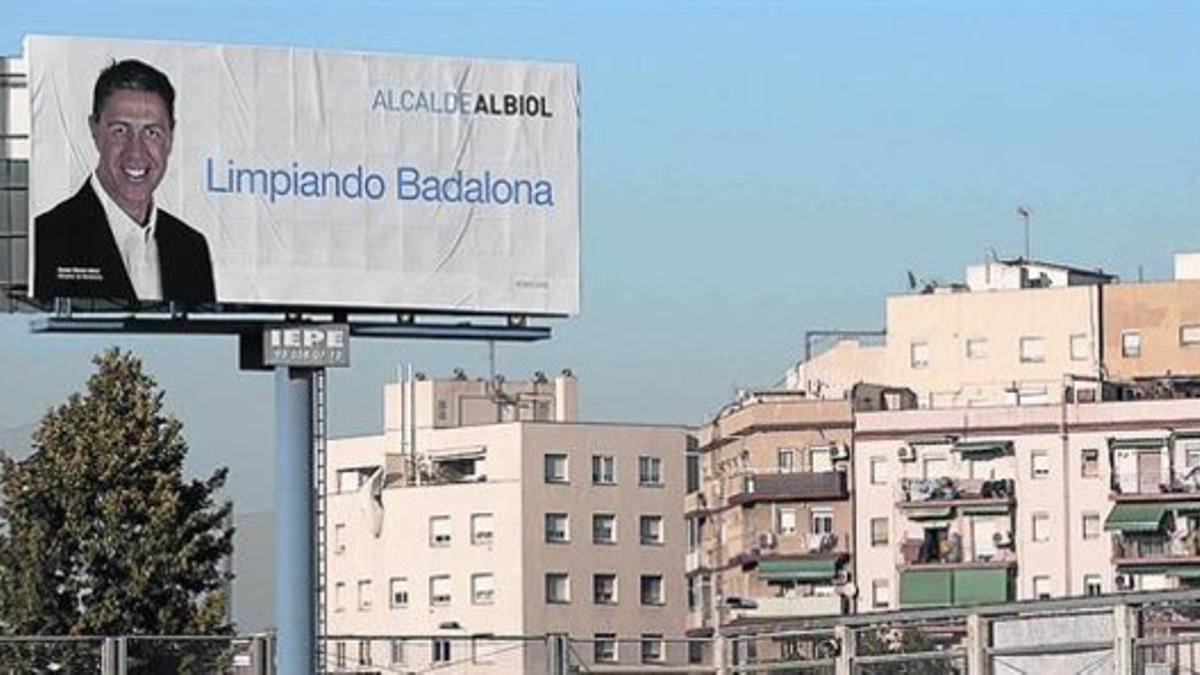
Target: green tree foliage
(99,532)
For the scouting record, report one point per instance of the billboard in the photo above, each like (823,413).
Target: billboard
(269,176)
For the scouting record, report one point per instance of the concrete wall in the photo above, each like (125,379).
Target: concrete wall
(1156,311)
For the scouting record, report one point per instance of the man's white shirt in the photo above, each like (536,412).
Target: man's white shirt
(139,249)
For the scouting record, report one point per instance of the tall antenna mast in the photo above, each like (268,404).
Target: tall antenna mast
(1023,212)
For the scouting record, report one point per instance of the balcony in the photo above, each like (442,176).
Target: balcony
(807,486)
(1152,485)
(981,496)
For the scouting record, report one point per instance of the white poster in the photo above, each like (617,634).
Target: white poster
(207,174)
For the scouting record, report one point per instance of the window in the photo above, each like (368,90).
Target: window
(879,531)
(364,595)
(1091,584)
(650,471)
(1091,526)
(1039,466)
(1081,347)
(652,589)
(443,410)
(1131,344)
(397,652)
(483,588)
(881,594)
(557,528)
(558,588)
(398,591)
(339,538)
(1033,350)
(977,348)
(820,459)
(786,459)
(481,528)
(604,470)
(1191,455)
(604,649)
(651,529)
(349,480)
(604,589)
(1041,587)
(339,596)
(822,520)
(652,648)
(1189,335)
(439,590)
(918,354)
(556,468)
(692,590)
(879,471)
(1090,463)
(933,467)
(364,652)
(339,654)
(1041,526)
(439,531)
(441,650)
(604,528)
(786,521)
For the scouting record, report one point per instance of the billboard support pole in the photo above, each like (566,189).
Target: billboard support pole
(295,615)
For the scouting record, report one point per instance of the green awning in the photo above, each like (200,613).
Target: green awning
(811,569)
(983,447)
(1185,571)
(973,586)
(1186,507)
(1135,518)
(1137,443)
(926,587)
(986,509)
(929,512)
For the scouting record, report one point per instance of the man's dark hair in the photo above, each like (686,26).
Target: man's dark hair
(132,75)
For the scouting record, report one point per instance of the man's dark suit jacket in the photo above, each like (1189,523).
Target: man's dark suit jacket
(77,256)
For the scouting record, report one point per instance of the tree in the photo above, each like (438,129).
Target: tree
(99,532)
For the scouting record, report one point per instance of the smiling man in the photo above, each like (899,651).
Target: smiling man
(110,240)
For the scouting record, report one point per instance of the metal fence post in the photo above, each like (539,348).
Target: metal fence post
(260,655)
(1124,631)
(977,644)
(557,658)
(113,656)
(847,647)
(719,656)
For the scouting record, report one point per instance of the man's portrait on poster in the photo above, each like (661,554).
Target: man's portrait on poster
(110,239)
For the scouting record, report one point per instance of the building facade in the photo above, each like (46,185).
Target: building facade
(959,506)
(463,530)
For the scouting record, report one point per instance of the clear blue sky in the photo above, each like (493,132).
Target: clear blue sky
(750,171)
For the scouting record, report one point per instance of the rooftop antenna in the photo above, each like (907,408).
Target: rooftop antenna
(1023,212)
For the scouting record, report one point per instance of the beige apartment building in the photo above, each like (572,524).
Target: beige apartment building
(1152,332)
(770,523)
(1006,336)
(967,505)
(487,510)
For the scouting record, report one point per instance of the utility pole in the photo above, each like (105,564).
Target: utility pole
(1023,212)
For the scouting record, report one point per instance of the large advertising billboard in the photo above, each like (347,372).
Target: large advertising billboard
(294,177)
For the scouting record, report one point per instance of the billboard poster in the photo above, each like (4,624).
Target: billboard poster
(215,174)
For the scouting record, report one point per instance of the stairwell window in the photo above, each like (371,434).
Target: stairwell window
(1033,349)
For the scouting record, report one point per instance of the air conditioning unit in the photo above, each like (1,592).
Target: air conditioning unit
(840,452)
(1124,582)
(738,602)
(1002,539)
(906,453)
(766,540)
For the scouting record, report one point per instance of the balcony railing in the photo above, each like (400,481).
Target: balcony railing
(807,486)
(811,605)
(921,552)
(947,490)
(1129,548)
(1175,485)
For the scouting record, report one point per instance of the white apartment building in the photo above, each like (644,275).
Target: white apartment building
(958,506)
(461,526)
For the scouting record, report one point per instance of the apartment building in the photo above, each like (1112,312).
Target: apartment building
(1006,336)
(485,510)
(966,505)
(770,523)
